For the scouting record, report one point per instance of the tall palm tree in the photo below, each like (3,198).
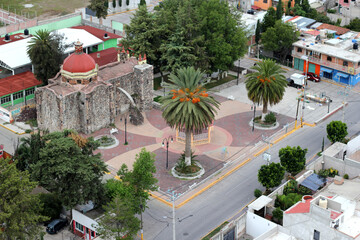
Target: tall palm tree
(266,85)
(188,106)
(46,50)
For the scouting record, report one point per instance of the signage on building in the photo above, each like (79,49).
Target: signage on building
(5,115)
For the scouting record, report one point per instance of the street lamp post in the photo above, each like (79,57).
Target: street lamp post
(253,126)
(167,141)
(238,74)
(125,122)
(304,87)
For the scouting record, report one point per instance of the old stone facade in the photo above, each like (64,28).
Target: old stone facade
(87,104)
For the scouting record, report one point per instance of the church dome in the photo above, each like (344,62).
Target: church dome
(79,62)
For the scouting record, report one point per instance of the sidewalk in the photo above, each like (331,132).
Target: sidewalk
(12,127)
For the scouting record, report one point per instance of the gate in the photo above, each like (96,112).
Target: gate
(230,235)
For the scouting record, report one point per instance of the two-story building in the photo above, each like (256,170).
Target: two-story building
(335,58)
(266,4)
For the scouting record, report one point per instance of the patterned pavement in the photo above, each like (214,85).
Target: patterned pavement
(231,132)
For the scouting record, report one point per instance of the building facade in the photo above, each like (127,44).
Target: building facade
(86,98)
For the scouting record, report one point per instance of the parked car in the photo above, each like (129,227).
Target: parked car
(56,225)
(296,80)
(312,77)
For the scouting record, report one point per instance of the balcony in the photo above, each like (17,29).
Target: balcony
(328,64)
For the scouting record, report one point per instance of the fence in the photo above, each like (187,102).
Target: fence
(102,27)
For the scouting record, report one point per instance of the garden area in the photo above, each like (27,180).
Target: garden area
(270,120)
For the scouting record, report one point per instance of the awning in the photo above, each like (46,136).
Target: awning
(328,70)
(255,7)
(344,75)
(313,182)
(260,203)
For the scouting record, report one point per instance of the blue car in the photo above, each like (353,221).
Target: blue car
(56,225)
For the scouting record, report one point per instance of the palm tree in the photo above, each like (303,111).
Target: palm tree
(188,106)
(46,50)
(266,85)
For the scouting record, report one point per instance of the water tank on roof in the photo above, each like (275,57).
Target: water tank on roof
(323,203)
(356,46)
(105,35)
(7,37)
(322,33)
(26,32)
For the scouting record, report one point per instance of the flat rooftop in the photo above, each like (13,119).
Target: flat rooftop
(333,47)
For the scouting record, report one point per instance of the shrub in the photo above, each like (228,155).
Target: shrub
(52,205)
(270,118)
(346,176)
(304,190)
(323,173)
(291,187)
(181,166)
(286,201)
(257,193)
(333,172)
(277,213)
(28,131)
(331,11)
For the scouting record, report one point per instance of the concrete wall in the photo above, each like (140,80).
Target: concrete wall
(256,225)
(353,145)
(240,227)
(102,27)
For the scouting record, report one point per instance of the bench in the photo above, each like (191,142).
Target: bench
(113,130)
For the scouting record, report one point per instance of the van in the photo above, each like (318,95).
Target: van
(296,80)
(55,226)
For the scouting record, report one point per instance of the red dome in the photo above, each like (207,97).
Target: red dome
(76,63)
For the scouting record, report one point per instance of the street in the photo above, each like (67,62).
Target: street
(225,199)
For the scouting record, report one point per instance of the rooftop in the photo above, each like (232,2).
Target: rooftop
(339,30)
(99,33)
(300,207)
(17,83)
(104,57)
(13,38)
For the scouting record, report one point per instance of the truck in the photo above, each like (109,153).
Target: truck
(296,80)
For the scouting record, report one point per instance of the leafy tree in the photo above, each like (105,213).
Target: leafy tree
(19,209)
(72,172)
(269,19)
(271,175)
(279,38)
(293,159)
(258,32)
(336,131)
(120,3)
(297,10)
(279,10)
(142,2)
(45,51)
(354,25)
(29,151)
(119,221)
(278,213)
(286,201)
(266,85)
(140,180)
(100,8)
(188,106)
(127,2)
(114,3)
(305,5)
(52,205)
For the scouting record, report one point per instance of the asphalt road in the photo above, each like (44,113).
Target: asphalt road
(221,202)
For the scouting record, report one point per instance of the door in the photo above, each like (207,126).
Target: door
(299,64)
(316,235)
(87,234)
(312,67)
(230,235)
(344,80)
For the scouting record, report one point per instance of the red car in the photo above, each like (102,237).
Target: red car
(312,77)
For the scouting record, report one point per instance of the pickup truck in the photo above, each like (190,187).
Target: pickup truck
(296,80)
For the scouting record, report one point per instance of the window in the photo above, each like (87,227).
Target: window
(346,1)
(345,63)
(5,99)
(329,58)
(358,63)
(92,234)
(265,1)
(29,91)
(79,227)
(316,235)
(18,95)
(299,49)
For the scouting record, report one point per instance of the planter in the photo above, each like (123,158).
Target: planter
(188,176)
(261,126)
(111,143)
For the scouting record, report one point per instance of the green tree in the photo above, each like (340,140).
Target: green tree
(258,32)
(119,221)
(278,214)
(140,180)
(188,106)
(19,209)
(266,85)
(305,5)
(336,131)
(45,51)
(354,25)
(143,2)
(293,159)
(279,10)
(120,3)
(52,205)
(100,8)
(28,152)
(271,175)
(72,172)
(114,3)
(269,19)
(127,2)
(297,10)
(279,38)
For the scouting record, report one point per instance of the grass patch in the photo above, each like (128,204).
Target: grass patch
(219,82)
(32,122)
(215,231)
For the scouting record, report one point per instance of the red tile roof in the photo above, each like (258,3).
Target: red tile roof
(17,83)
(291,19)
(13,38)
(339,30)
(300,207)
(98,32)
(334,215)
(106,56)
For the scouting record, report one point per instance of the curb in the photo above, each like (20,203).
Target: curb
(12,130)
(331,113)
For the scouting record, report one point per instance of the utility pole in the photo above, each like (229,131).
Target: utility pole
(345,97)
(297,111)
(304,87)
(253,126)
(238,74)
